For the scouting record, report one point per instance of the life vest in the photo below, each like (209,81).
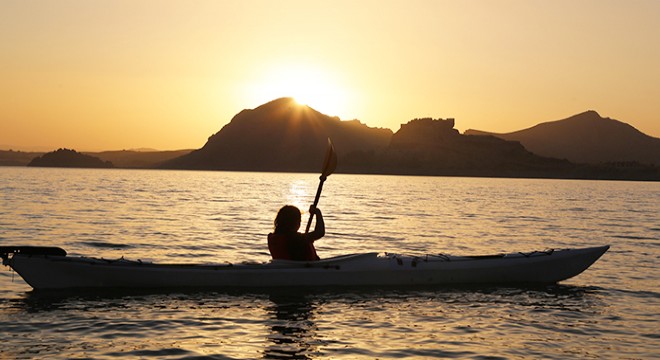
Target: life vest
(291,247)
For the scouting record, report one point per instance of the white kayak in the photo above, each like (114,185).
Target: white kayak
(50,268)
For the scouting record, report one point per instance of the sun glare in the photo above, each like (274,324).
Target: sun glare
(308,86)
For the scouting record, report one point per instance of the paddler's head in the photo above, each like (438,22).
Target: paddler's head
(287,220)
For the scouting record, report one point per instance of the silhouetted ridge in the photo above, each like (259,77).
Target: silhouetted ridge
(281,135)
(418,132)
(587,138)
(69,158)
(433,147)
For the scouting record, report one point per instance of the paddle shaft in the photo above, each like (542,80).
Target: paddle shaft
(316,201)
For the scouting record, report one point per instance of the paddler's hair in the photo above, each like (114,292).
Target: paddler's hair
(287,220)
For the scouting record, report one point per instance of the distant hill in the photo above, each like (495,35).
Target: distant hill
(138,158)
(587,138)
(17,158)
(281,135)
(135,158)
(69,158)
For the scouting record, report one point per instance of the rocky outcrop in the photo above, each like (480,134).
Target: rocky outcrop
(433,147)
(423,132)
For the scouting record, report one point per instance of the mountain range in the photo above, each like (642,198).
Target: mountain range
(283,135)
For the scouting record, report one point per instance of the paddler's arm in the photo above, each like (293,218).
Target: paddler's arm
(319,227)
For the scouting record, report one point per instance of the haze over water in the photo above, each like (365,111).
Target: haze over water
(610,311)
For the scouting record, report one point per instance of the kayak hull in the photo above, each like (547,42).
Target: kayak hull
(48,271)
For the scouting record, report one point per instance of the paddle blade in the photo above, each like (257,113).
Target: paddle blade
(330,162)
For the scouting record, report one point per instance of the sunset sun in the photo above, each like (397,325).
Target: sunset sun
(309,86)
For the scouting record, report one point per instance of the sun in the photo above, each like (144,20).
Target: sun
(308,85)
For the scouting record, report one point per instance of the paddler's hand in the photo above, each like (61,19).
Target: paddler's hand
(314,210)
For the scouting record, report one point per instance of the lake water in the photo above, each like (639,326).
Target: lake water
(610,311)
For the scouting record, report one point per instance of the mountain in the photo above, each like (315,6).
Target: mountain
(433,147)
(69,158)
(281,135)
(587,138)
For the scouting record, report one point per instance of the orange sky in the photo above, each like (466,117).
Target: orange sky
(102,75)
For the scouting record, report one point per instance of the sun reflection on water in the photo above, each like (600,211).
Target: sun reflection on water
(299,195)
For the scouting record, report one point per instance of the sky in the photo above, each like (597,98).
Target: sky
(167,74)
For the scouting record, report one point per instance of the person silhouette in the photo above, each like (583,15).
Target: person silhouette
(286,243)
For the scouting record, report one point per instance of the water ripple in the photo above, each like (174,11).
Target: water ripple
(610,311)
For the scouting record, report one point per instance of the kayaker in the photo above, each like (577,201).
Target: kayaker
(286,243)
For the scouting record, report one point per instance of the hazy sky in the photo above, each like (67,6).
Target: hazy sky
(165,74)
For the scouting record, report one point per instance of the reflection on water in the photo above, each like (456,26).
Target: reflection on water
(285,324)
(292,327)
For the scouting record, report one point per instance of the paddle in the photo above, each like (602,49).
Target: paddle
(329,166)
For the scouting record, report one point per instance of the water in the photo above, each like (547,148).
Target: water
(610,311)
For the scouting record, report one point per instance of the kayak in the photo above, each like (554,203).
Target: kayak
(51,268)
